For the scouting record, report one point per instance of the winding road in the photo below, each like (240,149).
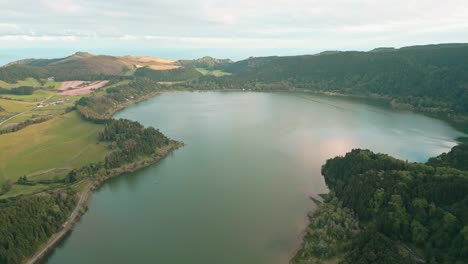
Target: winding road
(68,224)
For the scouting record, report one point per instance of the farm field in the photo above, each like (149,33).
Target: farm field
(53,146)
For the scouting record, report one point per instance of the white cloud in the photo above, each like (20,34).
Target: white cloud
(8,26)
(317,24)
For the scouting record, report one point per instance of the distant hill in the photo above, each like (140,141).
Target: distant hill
(328,52)
(431,78)
(383,49)
(206,63)
(83,66)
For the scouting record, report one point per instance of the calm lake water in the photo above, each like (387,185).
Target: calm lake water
(238,191)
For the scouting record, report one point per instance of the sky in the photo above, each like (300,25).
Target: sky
(236,29)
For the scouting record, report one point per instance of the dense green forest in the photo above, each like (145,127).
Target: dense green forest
(330,232)
(129,141)
(132,139)
(14,73)
(403,205)
(29,221)
(456,158)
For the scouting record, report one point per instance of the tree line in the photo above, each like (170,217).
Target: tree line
(22,90)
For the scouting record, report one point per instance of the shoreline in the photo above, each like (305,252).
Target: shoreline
(93,186)
(122,106)
(459,122)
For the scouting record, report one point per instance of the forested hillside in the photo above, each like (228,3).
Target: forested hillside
(14,73)
(431,78)
(456,158)
(402,207)
(28,222)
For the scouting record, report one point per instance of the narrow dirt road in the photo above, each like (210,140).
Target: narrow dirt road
(56,237)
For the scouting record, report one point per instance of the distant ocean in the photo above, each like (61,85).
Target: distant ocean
(12,54)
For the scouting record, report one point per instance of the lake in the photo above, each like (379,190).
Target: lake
(238,192)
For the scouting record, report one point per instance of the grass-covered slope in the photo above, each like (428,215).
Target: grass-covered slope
(63,142)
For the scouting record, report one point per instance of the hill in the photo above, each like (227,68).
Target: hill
(82,66)
(431,78)
(407,212)
(206,62)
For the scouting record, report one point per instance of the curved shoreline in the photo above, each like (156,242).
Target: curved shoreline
(95,184)
(83,201)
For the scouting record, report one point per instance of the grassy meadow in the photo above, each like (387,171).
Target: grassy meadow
(50,149)
(37,96)
(12,106)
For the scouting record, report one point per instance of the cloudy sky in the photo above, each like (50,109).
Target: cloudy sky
(256,26)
